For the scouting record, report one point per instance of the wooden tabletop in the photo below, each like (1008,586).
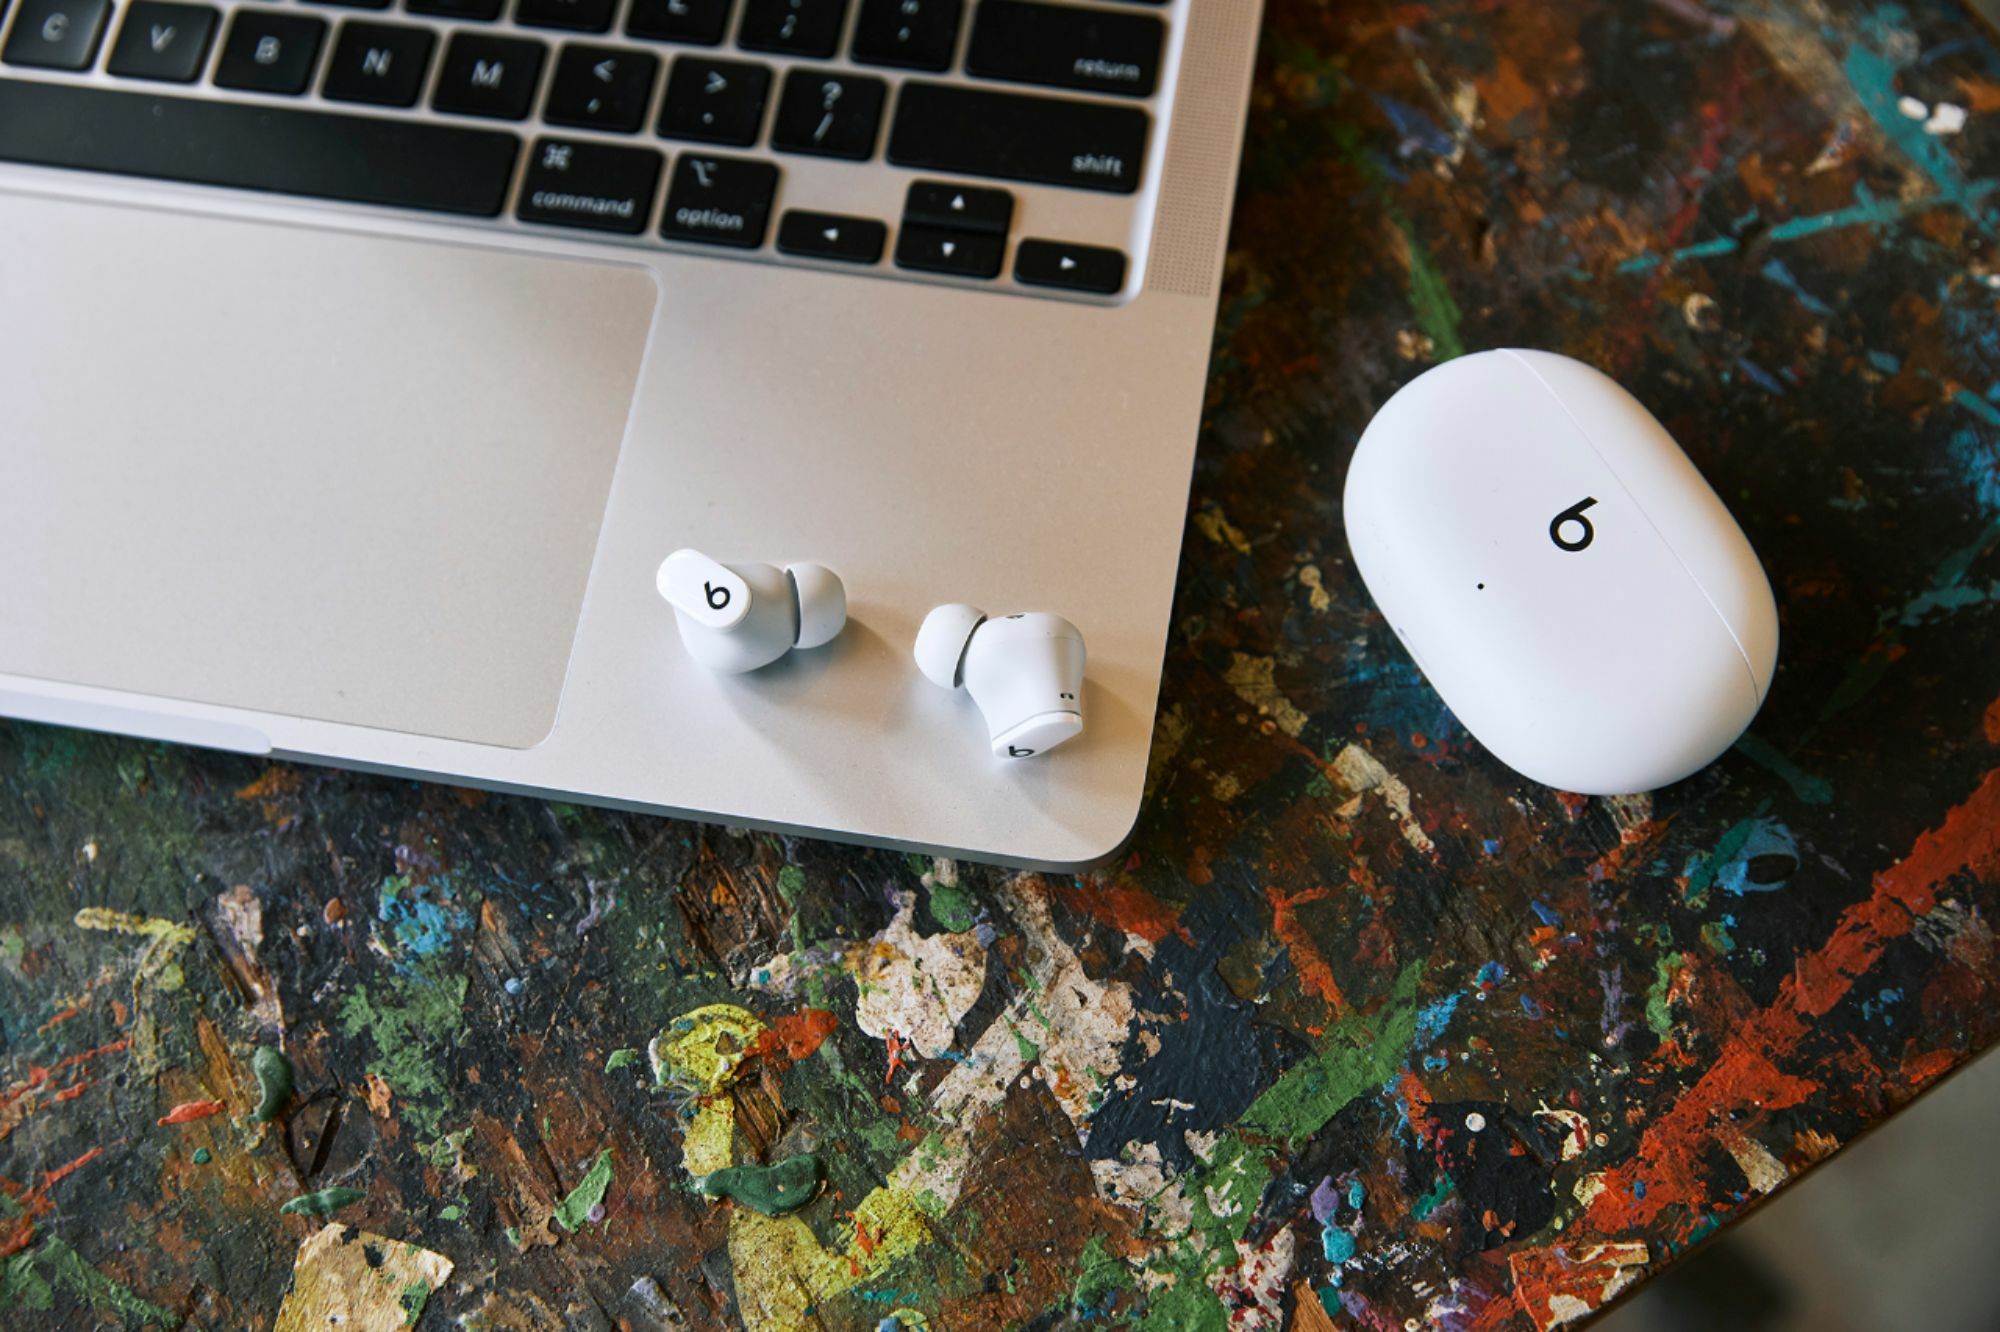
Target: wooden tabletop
(1366,1032)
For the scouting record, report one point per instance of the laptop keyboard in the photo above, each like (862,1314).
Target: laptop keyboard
(607,116)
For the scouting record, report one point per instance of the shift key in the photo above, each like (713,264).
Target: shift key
(577,183)
(1051,140)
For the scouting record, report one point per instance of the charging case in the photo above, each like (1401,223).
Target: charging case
(1566,580)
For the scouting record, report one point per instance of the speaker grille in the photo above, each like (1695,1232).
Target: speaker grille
(1202,145)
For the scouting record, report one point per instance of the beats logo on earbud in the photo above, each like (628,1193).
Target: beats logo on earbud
(738,617)
(1024,671)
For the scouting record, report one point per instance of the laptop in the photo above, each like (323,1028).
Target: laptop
(360,362)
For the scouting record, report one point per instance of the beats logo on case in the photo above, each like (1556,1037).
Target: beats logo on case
(1567,581)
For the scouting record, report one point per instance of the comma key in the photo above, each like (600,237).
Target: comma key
(719,201)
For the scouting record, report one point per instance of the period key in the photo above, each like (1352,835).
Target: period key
(577,183)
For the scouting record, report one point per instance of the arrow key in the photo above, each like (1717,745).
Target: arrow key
(601,87)
(849,240)
(957,253)
(939,203)
(1091,268)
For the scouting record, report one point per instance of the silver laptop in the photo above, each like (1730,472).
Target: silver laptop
(359,365)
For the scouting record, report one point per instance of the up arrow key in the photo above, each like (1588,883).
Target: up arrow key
(831,235)
(1066,263)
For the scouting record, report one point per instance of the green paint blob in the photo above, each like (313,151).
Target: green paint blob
(452,1213)
(415,1295)
(1099,1276)
(274,1082)
(32,1276)
(1659,1014)
(323,1203)
(574,1211)
(952,905)
(772,1190)
(201,1156)
(410,1019)
(791,882)
(620,1058)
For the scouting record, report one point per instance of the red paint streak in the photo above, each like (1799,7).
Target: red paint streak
(59,1019)
(1993,723)
(16,1235)
(1314,972)
(795,1035)
(37,1074)
(64,1171)
(74,1090)
(1129,909)
(896,1047)
(188,1110)
(1745,1083)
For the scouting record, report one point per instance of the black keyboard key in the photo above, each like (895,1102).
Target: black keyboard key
(489,76)
(163,41)
(973,132)
(601,87)
(719,201)
(832,115)
(792,27)
(353,4)
(269,52)
(850,240)
(379,63)
(576,15)
(939,203)
(1065,46)
(959,253)
(909,34)
(1092,268)
(575,183)
(57,34)
(715,101)
(458,9)
(699,22)
(397,162)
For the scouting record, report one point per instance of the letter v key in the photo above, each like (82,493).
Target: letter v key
(162,36)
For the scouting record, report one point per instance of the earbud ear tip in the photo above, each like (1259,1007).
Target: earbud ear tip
(941,642)
(822,602)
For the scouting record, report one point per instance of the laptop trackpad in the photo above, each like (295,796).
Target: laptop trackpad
(310,473)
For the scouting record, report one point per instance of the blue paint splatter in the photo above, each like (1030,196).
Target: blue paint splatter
(1435,1017)
(1873,77)
(1880,1005)
(421,919)
(1492,973)
(1545,913)
(1759,376)
(1775,271)
(1337,1244)
(1490,845)
(1356,1195)
(1531,1008)
(1884,362)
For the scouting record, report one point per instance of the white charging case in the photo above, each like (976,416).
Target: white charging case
(1566,580)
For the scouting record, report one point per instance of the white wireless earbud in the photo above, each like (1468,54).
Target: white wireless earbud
(738,617)
(1024,671)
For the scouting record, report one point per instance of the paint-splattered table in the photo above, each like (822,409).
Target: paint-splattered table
(1366,1032)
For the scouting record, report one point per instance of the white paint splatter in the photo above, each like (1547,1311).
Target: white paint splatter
(1946,119)
(1139,1180)
(1360,771)
(1475,1122)
(914,986)
(1253,1290)
(1913,109)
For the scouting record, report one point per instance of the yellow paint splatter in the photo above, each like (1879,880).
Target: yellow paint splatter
(1254,680)
(359,1282)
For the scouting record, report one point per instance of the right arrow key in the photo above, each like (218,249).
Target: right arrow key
(1087,268)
